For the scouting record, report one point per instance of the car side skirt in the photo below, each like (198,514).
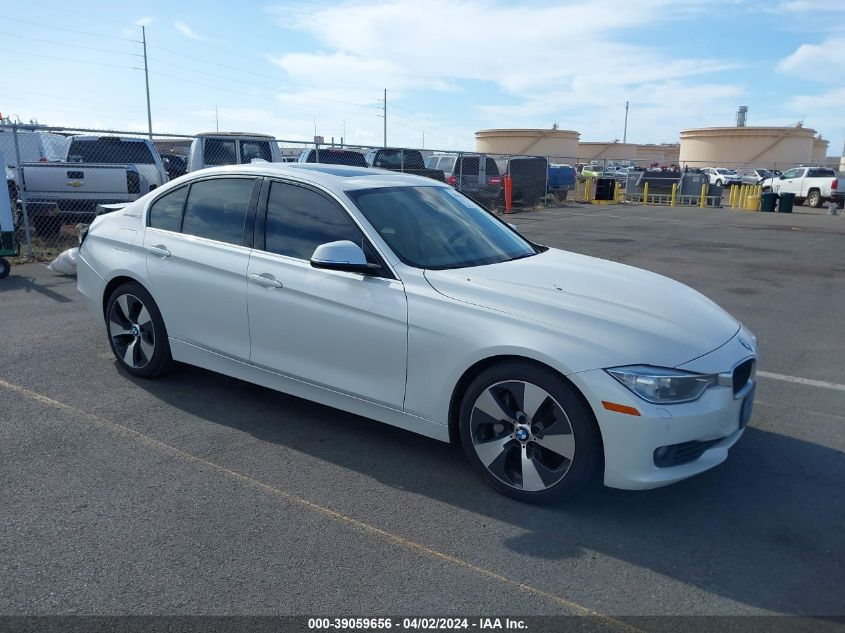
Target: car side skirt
(200,357)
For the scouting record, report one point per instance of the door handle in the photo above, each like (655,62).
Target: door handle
(267,280)
(160,250)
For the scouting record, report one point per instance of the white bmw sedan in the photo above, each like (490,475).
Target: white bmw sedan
(397,298)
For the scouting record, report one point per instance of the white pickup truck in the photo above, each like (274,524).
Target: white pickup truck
(815,185)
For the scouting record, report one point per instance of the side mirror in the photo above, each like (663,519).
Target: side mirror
(342,255)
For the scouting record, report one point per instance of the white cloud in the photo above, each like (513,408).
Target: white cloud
(805,6)
(145,21)
(187,31)
(823,62)
(566,61)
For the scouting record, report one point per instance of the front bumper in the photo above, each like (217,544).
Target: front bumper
(697,435)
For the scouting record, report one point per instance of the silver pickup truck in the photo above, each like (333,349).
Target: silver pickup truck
(98,170)
(67,193)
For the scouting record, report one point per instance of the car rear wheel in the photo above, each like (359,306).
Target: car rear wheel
(136,331)
(529,433)
(814,199)
(718,183)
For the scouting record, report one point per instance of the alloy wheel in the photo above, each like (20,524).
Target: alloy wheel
(522,435)
(131,331)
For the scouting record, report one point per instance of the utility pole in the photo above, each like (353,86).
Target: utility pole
(385,117)
(423,139)
(147,81)
(216,119)
(625,133)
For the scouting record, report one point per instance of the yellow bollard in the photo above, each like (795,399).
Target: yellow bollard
(587,189)
(734,197)
(645,193)
(703,198)
(674,202)
(741,196)
(617,190)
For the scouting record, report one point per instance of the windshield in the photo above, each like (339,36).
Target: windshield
(438,228)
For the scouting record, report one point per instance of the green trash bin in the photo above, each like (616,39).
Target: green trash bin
(768,202)
(786,202)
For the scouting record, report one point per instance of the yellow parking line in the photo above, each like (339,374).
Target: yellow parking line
(325,511)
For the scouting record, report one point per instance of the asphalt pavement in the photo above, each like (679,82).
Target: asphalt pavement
(201,494)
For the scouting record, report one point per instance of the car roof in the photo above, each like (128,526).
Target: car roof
(336,178)
(244,134)
(106,137)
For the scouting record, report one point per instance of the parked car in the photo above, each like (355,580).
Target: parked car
(475,175)
(333,156)
(722,177)
(592,171)
(174,165)
(120,150)
(407,161)
(408,303)
(815,185)
(210,149)
(751,176)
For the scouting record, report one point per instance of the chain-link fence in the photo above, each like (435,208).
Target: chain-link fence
(59,178)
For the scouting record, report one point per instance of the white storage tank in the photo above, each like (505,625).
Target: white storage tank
(589,151)
(781,147)
(820,150)
(650,154)
(561,145)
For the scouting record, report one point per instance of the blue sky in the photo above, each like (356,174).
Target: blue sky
(450,66)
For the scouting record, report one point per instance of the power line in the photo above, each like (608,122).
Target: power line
(90,48)
(66,59)
(61,28)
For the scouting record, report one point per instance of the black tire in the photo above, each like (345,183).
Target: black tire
(815,199)
(5,267)
(151,333)
(586,462)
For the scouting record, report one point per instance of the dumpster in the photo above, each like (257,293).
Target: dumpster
(769,202)
(787,200)
(605,188)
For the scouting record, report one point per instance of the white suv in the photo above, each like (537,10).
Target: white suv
(721,176)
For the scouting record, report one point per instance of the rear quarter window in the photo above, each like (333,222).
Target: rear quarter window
(166,212)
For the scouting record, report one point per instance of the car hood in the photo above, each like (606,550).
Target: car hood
(626,315)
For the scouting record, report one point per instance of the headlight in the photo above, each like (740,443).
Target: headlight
(661,385)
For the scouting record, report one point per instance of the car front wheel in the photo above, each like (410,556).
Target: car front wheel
(529,433)
(136,331)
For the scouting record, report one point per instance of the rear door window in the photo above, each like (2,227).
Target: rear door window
(217,209)
(220,151)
